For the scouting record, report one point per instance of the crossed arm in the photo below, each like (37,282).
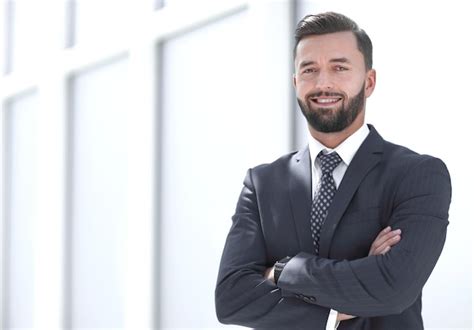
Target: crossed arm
(381,245)
(376,285)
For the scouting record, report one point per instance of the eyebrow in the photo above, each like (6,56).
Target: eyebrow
(340,60)
(306,63)
(333,60)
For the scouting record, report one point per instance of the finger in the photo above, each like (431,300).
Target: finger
(386,237)
(344,317)
(379,250)
(383,236)
(383,232)
(389,243)
(380,237)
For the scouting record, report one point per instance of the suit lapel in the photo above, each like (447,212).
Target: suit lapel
(366,158)
(300,196)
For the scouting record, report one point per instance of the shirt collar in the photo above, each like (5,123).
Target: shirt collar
(346,150)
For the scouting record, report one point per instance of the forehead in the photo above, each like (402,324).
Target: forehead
(324,47)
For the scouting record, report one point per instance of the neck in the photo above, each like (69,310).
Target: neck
(332,140)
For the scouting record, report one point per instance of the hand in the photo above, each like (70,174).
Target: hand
(270,274)
(344,317)
(381,245)
(384,241)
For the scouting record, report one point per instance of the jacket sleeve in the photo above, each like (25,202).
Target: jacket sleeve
(383,284)
(243,296)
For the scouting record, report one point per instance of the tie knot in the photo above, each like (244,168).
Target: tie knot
(329,161)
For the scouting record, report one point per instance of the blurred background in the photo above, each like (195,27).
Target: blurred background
(127,128)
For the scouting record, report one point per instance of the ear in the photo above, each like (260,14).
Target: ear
(370,80)
(294,80)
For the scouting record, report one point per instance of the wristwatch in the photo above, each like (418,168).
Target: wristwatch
(279,265)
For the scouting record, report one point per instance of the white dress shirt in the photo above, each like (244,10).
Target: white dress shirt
(346,151)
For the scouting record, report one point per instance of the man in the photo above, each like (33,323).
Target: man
(351,223)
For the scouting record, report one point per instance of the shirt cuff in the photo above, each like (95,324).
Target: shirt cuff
(332,322)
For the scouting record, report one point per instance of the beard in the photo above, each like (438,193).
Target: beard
(328,120)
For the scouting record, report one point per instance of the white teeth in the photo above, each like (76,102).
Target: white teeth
(326,100)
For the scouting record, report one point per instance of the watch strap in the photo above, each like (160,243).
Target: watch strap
(279,265)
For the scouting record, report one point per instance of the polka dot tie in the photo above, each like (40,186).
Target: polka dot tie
(323,198)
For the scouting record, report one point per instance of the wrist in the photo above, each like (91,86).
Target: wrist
(278,268)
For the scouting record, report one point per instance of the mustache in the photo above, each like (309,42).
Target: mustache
(321,93)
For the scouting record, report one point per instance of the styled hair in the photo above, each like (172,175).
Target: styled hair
(331,22)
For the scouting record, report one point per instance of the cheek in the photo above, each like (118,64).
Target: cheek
(302,90)
(350,87)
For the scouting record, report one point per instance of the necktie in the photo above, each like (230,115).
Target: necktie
(324,196)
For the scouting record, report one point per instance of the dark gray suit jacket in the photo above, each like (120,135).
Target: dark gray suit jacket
(385,184)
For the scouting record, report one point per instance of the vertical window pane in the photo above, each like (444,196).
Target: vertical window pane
(99,22)
(98,196)
(225,89)
(20,209)
(24,34)
(32,29)
(206,109)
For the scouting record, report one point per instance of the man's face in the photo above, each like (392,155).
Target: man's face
(331,81)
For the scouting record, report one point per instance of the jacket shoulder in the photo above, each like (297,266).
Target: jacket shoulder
(273,173)
(403,162)
(395,153)
(278,164)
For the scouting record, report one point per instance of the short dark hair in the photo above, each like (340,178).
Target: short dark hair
(331,22)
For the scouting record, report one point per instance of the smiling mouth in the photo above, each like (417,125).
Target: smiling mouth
(325,101)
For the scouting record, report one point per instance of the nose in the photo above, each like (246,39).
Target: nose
(323,81)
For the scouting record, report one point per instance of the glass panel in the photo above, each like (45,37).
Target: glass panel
(25,34)
(31,32)
(98,196)
(208,101)
(99,22)
(20,124)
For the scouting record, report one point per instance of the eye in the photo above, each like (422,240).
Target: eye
(341,68)
(309,70)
